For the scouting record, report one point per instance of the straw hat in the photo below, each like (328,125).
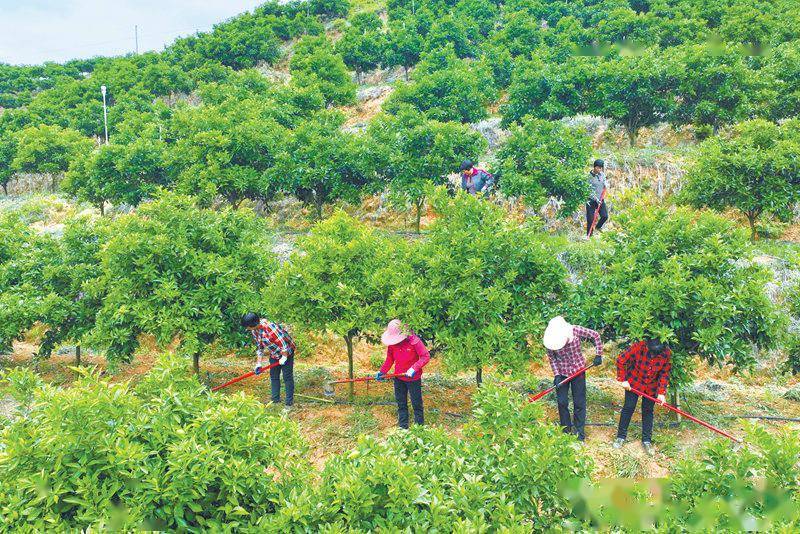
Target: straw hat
(394,333)
(557,333)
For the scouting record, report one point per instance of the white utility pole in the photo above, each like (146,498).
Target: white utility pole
(105,110)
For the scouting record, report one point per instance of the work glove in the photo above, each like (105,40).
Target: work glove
(379,377)
(257,370)
(283,359)
(598,360)
(661,399)
(625,385)
(410,372)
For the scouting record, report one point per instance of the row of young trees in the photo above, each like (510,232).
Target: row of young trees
(479,288)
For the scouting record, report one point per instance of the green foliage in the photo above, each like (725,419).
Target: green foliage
(483,286)
(338,280)
(504,473)
(47,149)
(446,88)
(314,64)
(684,277)
(542,159)
(177,271)
(634,90)
(363,44)
(8,149)
(227,149)
(322,164)
(117,173)
(164,455)
(755,169)
(715,86)
(412,152)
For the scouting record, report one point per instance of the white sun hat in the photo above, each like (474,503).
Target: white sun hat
(557,333)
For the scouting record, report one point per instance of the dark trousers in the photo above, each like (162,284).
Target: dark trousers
(403,390)
(602,217)
(578,386)
(288,381)
(627,412)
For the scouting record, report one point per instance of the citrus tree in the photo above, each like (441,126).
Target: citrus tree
(542,159)
(47,149)
(177,271)
(754,169)
(322,164)
(412,152)
(339,280)
(483,286)
(684,277)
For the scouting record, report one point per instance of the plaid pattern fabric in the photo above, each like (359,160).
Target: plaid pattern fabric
(569,359)
(646,372)
(273,338)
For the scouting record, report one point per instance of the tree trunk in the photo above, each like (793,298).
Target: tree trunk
(78,354)
(318,205)
(405,72)
(418,204)
(348,339)
(751,218)
(479,376)
(675,400)
(5,188)
(196,363)
(632,133)
(102,207)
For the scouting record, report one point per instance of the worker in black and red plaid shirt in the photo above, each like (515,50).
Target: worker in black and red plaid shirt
(274,339)
(563,343)
(645,367)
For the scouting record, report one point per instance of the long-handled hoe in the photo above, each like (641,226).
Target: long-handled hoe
(328,390)
(246,375)
(687,416)
(553,388)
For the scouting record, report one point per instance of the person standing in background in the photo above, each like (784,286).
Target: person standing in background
(597,186)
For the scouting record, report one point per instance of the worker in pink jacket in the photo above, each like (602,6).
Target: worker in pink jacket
(408,355)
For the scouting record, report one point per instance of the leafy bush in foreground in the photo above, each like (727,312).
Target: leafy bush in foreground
(504,474)
(162,455)
(756,488)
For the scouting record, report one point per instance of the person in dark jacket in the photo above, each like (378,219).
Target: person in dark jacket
(597,185)
(645,367)
(475,180)
(407,353)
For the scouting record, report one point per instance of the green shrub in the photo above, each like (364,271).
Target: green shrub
(505,473)
(164,455)
(174,270)
(483,285)
(685,277)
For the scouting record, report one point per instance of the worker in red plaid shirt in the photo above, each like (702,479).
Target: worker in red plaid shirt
(563,343)
(273,338)
(644,367)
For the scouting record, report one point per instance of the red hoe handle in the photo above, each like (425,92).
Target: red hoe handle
(240,378)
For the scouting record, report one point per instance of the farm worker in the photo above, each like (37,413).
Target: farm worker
(597,183)
(408,354)
(563,343)
(645,366)
(473,179)
(275,340)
